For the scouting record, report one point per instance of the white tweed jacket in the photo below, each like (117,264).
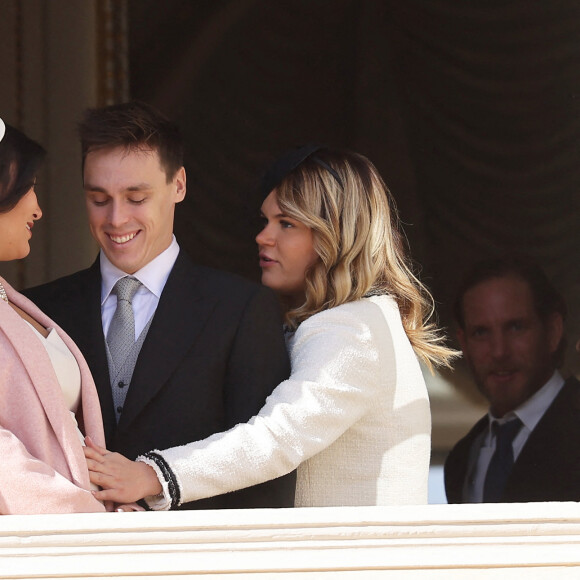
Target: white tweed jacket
(353,418)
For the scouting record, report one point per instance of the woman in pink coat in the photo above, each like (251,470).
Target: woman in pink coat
(48,400)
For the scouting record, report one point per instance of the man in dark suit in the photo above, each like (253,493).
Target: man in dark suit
(206,348)
(510,326)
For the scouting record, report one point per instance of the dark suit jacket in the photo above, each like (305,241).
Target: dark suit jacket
(547,468)
(213,353)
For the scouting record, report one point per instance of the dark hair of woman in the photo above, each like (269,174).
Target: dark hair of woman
(20,158)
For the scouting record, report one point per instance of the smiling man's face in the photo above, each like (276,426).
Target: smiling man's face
(508,347)
(130,204)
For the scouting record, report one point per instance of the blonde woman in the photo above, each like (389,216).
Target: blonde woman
(353,417)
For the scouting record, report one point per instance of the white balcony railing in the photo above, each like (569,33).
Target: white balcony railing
(426,542)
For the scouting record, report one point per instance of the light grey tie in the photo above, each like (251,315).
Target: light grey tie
(121,335)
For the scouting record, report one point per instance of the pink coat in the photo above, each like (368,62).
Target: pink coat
(42,464)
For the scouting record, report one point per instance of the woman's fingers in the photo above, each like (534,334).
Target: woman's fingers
(116,493)
(105,471)
(111,463)
(103,480)
(92,445)
(93,455)
(94,466)
(105,495)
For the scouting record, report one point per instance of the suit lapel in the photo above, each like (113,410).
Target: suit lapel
(177,323)
(551,431)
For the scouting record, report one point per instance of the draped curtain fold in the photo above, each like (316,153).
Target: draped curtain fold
(469,109)
(492,97)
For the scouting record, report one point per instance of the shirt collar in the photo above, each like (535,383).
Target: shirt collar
(153,275)
(532,410)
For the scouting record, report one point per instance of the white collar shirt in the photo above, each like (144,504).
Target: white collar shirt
(152,276)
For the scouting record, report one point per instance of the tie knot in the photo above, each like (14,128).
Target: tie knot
(126,287)
(508,430)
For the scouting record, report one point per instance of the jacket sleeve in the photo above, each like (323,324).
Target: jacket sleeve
(335,364)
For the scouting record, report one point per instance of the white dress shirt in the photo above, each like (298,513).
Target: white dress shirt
(153,276)
(529,413)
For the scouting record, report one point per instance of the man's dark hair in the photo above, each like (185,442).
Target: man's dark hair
(133,126)
(20,159)
(547,300)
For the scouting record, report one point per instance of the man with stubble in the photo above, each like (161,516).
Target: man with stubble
(511,330)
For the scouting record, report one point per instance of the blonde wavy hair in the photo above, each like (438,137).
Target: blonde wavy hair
(343,199)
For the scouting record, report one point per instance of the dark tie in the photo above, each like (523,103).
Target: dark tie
(121,335)
(502,461)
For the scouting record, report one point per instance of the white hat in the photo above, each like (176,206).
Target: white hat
(2,129)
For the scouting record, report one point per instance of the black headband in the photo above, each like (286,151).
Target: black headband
(329,169)
(289,161)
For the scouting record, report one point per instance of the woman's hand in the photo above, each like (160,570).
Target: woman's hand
(122,480)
